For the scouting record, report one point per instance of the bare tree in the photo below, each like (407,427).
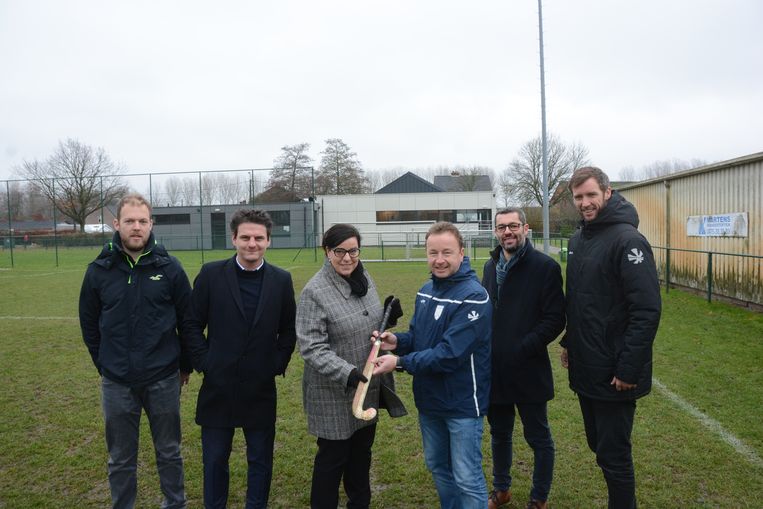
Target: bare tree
(525,172)
(77,179)
(292,170)
(628,174)
(231,188)
(173,188)
(505,189)
(189,191)
(380,178)
(36,204)
(340,171)
(12,209)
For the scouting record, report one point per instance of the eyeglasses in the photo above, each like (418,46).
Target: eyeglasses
(500,228)
(340,252)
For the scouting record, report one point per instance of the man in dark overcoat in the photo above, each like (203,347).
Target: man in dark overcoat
(247,306)
(525,287)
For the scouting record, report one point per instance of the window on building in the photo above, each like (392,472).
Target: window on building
(281,222)
(454,216)
(172,219)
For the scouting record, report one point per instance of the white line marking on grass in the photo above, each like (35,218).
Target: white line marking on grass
(711,424)
(39,318)
(42,274)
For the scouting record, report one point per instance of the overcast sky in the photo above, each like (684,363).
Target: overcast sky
(185,85)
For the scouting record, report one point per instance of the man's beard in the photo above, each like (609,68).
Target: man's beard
(516,247)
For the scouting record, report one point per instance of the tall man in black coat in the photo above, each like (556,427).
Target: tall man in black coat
(525,287)
(613,310)
(247,306)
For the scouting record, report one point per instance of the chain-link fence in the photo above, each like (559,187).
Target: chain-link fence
(46,220)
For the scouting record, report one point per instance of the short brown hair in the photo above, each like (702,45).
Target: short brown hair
(580,175)
(445,227)
(255,216)
(132,199)
(511,210)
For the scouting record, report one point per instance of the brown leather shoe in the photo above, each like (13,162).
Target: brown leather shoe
(498,498)
(537,504)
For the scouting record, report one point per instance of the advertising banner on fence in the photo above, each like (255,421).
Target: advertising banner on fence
(718,225)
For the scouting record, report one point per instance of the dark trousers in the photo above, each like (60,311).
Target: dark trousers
(534,417)
(122,407)
(348,460)
(608,427)
(216,448)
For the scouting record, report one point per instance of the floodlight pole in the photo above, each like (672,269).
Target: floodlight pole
(10,223)
(544,142)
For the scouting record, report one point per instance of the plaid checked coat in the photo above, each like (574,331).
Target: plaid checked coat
(333,332)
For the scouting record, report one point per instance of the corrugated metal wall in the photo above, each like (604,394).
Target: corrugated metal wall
(733,186)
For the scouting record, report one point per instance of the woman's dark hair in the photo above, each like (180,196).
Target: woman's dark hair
(338,233)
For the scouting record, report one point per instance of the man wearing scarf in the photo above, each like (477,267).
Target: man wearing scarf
(525,287)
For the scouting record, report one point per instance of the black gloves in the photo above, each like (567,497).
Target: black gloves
(397,311)
(355,378)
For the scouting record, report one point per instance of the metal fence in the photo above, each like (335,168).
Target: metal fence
(731,275)
(32,226)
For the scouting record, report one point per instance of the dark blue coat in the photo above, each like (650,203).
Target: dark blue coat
(239,359)
(447,346)
(129,314)
(527,316)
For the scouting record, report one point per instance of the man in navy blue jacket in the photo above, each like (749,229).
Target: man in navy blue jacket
(247,307)
(447,350)
(132,302)
(525,287)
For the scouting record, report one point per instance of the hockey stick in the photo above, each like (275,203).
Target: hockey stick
(368,371)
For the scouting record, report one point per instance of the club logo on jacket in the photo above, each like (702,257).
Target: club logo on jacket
(438,311)
(156,277)
(637,256)
(473,315)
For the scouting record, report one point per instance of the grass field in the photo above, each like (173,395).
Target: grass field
(52,451)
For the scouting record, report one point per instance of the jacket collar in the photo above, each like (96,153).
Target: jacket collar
(338,281)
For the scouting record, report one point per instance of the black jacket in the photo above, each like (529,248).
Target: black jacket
(239,359)
(129,314)
(613,304)
(527,316)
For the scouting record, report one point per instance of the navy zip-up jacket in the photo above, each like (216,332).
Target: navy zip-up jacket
(447,346)
(130,314)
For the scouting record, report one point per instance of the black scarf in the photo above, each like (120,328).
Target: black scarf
(357,281)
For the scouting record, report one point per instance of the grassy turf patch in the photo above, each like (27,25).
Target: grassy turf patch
(51,431)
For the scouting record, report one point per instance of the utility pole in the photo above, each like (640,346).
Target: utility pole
(544,143)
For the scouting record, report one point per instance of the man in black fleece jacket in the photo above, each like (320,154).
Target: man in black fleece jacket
(613,310)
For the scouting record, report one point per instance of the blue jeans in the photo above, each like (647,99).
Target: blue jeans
(537,434)
(122,408)
(216,448)
(453,454)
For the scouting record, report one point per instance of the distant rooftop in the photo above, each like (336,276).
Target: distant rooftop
(412,183)
(409,183)
(456,183)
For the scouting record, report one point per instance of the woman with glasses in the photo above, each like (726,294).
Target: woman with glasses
(337,312)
